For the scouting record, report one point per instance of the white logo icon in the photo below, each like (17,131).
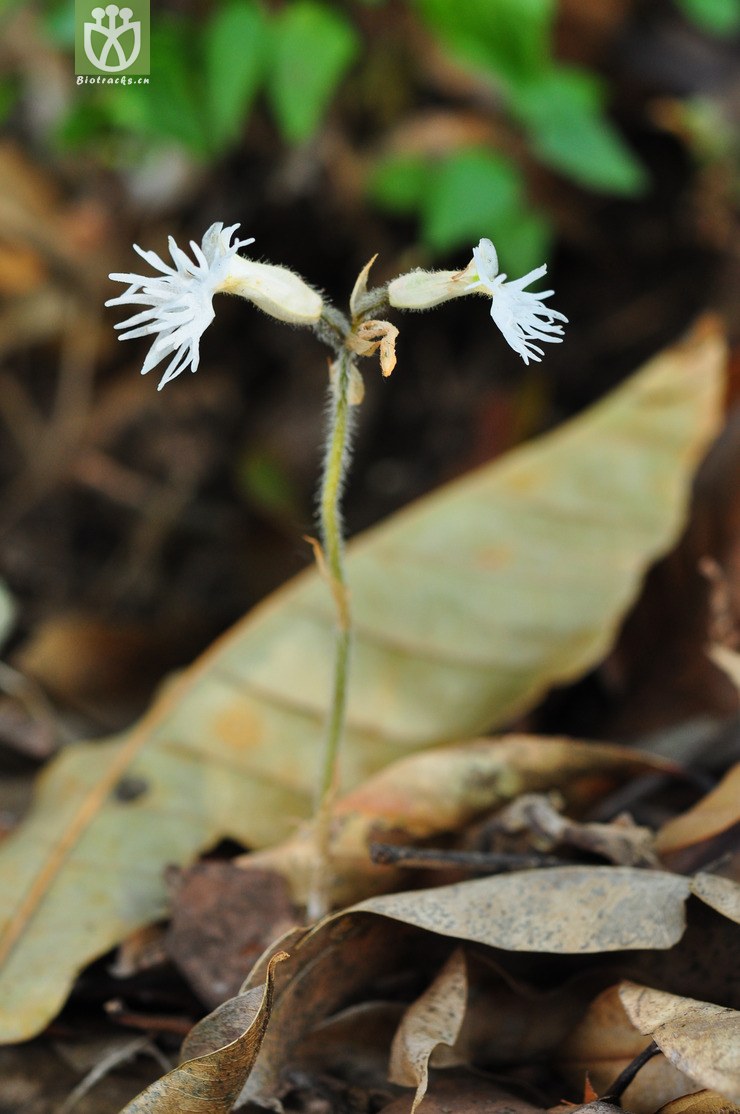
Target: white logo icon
(106,36)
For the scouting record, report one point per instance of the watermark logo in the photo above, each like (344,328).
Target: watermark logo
(111,40)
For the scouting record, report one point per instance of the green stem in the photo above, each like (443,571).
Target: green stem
(332,541)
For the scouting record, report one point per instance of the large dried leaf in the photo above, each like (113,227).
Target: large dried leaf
(217,1061)
(468,607)
(434,1018)
(700,1038)
(565,910)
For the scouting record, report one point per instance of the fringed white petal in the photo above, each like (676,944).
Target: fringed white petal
(520,314)
(178,300)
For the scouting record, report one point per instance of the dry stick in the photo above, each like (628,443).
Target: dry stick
(623,1080)
(391,854)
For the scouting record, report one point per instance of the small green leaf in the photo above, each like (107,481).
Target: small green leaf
(170,107)
(475,193)
(235,49)
(718,17)
(470,195)
(314,46)
(509,37)
(398,183)
(562,110)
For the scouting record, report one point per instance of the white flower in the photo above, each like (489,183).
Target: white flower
(178,300)
(520,314)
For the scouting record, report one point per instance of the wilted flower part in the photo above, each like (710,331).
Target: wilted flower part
(179,299)
(520,314)
(376,336)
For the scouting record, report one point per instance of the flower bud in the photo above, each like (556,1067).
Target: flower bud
(425,289)
(276,290)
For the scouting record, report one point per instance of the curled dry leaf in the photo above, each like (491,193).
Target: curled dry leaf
(718,811)
(701,1102)
(468,606)
(443,790)
(602,1045)
(219,1054)
(700,1038)
(721,894)
(434,1018)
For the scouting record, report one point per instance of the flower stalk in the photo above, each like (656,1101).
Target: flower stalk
(332,541)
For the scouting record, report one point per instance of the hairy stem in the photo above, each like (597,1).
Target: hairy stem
(335,466)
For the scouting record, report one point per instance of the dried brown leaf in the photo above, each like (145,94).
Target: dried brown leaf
(434,1018)
(565,910)
(721,894)
(700,1038)
(603,1043)
(714,813)
(702,1102)
(220,1052)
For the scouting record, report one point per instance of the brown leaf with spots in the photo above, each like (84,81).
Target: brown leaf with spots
(219,1055)
(720,894)
(702,1102)
(700,1038)
(433,1019)
(564,910)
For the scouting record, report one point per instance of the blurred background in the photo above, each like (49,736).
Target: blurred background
(600,136)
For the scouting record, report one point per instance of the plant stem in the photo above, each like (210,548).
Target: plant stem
(335,465)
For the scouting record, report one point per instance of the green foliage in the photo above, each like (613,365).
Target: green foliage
(399,182)
(510,38)
(466,195)
(204,80)
(313,47)
(562,109)
(719,17)
(235,52)
(206,74)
